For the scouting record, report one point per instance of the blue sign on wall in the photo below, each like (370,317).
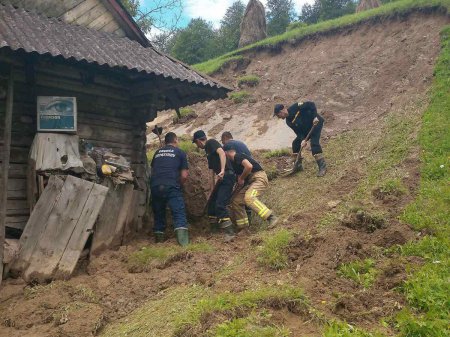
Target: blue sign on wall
(57,113)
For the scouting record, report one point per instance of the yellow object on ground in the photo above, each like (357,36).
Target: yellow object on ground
(106,170)
(258,183)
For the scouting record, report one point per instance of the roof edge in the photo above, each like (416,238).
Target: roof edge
(121,13)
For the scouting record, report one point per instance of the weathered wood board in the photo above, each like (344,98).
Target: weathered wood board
(111,221)
(58,229)
(54,151)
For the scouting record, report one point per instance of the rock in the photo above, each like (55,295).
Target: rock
(333,203)
(253,25)
(365,5)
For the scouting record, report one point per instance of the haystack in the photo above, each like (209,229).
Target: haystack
(364,5)
(253,25)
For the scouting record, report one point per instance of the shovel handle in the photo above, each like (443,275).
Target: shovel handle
(308,136)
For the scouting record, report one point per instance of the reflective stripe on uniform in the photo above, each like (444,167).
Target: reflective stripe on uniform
(242,221)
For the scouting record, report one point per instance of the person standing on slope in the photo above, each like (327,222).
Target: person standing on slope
(301,117)
(169,172)
(222,183)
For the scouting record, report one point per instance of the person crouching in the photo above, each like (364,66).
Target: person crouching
(252,181)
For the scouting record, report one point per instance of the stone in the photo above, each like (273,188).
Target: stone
(253,25)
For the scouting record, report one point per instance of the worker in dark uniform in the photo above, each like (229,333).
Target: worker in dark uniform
(301,117)
(252,181)
(221,172)
(169,172)
(227,138)
(241,147)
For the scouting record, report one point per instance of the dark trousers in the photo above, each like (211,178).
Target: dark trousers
(220,199)
(163,195)
(315,141)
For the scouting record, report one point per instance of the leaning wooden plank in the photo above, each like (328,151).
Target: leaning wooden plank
(37,222)
(111,220)
(60,226)
(81,233)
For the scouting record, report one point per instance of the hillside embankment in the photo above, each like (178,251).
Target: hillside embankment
(355,78)
(335,265)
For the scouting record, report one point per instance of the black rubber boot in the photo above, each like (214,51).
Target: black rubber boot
(321,164)
(298,166)
(249,215)
(228,230)
(213,225)
(160,237)
(182,236)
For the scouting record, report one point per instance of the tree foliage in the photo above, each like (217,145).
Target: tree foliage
(196,43)
(280,13)
(230,31)
(322,10)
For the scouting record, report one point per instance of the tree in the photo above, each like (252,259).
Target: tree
(195,43)
(160,14)
(280,13)
(310,13)
(323,10)
(331,9)
(229,32)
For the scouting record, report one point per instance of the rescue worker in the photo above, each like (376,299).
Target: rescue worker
(301,117)
(169,173)
(251,182)
(227,137)
(222,182)
(241,147)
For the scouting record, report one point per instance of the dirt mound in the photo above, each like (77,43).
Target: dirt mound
(362,220)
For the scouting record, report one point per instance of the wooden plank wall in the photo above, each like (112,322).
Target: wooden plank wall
(105,119)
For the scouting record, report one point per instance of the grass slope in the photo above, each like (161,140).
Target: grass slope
(427,290)
(398,7)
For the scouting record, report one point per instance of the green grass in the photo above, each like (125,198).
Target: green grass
(149,256)
(401,6)
(239,96)
(393,187)
(427,289)
(277,153)
(273,250)
(257,324)
(362,272)
(341,329)
(186,111)
(249,80)
(231,304)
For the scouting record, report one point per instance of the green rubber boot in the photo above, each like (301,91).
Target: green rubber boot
(182,236)
(160,237)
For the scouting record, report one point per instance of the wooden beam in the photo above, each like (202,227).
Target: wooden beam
(5,165)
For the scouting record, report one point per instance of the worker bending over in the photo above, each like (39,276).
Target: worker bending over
(227,138)
(169,172)
(222,183)
(301,117)
(251,182)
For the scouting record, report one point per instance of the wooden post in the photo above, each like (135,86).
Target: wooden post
(5,166)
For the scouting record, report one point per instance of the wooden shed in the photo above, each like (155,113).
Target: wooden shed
(94,51)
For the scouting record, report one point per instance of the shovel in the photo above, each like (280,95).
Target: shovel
(158,131)
(290,172)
